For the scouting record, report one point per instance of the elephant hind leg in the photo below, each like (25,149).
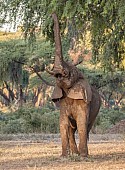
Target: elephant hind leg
(90,126)
(88,130)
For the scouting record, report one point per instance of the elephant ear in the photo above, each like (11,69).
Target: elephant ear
(57,94)
(81,90)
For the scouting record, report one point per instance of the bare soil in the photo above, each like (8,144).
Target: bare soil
(119,127)
(42,152)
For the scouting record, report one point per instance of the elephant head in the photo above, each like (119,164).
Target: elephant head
(70,81)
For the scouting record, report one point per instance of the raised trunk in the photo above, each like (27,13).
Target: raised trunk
(58,46)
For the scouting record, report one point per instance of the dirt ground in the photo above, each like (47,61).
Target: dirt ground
(42,152)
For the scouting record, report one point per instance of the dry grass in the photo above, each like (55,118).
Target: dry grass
(41,156)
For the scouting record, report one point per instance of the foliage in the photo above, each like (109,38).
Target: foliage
(30,120)
(14,126)
(104,19)
(46,120)
(11,51)
(50,123)
(108,117)
(110,85)
(42,52)
(35,81)
(18,62)
(16,53)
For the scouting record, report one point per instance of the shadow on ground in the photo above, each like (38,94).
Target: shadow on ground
(54,161)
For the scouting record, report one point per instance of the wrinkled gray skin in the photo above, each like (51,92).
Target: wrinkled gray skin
(79,102)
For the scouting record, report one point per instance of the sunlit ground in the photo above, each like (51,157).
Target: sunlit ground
(22,155)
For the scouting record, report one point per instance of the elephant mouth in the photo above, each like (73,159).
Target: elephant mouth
(61,74)
(58,75)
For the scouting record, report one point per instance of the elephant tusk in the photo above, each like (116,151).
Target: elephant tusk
(86,95)
(49,71)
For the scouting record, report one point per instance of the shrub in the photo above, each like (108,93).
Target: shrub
(46,120)
(31,120)
(108,117)
(50,122)
(14,126)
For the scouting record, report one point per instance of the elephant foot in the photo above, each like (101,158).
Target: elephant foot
(76,152)
(84,153)
(69,154)
(64,156)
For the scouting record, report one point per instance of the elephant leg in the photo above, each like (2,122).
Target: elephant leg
(72,142)
(82,121)
(64,131)
(89,128)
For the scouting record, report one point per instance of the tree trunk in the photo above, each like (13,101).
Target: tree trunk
(21,96)
(5,97)
(11,94)
(36,95)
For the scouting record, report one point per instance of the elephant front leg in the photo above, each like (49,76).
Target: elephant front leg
(64,136)
(72,142)
(82,121)
(83,148)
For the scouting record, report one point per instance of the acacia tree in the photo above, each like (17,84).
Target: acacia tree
(11,72)
(104,19)
(17,63)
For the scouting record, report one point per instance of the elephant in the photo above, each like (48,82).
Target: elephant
(79,101)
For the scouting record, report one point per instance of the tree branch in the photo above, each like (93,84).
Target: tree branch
(44,81)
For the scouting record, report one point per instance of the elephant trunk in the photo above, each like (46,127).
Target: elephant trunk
(58,46)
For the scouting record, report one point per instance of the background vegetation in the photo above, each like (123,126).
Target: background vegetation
(93,30)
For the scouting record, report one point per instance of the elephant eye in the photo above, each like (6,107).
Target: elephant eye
(66,73)
(58,75)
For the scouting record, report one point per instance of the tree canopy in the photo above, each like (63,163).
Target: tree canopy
(99,21)
(104,19)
